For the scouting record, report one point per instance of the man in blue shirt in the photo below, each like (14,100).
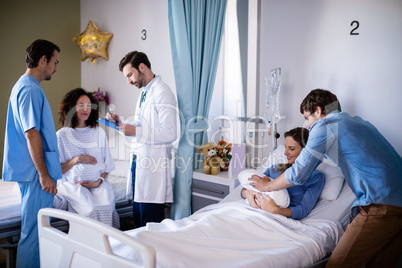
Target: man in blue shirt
(373,170)
(31,156)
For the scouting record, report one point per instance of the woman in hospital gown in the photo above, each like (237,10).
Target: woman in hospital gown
(86,161)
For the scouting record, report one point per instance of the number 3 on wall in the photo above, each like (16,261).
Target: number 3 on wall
(355,22)
(144,34)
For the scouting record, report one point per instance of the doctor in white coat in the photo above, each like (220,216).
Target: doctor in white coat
(153,131)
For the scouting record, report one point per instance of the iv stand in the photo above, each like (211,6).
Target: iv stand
(272,109)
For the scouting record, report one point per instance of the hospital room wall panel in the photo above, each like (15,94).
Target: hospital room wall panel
(309,39)
(312,42)
(140,25)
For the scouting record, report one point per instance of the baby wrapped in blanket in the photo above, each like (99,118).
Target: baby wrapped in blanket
(281,197)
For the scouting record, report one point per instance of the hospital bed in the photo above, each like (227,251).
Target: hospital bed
(227,234)
(10,209)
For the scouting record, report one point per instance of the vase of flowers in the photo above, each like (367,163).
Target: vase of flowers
(224,151)
(100,96)
(102,100)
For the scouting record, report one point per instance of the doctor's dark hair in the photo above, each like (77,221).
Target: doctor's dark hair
(68,112)
(38,49)
(135,58)
(300,135)
(325,99)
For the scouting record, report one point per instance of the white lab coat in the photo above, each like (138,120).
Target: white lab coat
(152,145)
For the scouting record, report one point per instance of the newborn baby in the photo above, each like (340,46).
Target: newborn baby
(281,197)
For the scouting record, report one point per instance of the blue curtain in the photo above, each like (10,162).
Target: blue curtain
(196,28)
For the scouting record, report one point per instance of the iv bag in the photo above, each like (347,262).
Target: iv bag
(273,87)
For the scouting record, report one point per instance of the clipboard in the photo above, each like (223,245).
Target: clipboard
(108,123)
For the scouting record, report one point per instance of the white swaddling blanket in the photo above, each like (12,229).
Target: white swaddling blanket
(281,197)
(233,234)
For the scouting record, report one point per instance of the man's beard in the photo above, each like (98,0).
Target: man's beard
(141,81)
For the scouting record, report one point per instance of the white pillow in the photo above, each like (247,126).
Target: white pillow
(275,157)
(281,197)
(121,168)
(333,180)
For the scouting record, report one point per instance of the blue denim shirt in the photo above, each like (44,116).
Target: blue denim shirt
(371,166)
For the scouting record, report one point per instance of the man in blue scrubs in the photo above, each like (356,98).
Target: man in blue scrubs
(31,156)
(373,170)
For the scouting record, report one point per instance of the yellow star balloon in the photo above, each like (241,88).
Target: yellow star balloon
(92,42)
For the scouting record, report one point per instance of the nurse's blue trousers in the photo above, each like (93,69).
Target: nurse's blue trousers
(33,198)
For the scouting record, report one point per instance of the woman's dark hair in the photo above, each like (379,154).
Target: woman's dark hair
(68,112)
(135,58)
(325,99)
(300,135)
(38,49)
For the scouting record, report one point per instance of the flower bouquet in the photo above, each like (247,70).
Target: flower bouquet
(100,95)
(224,150)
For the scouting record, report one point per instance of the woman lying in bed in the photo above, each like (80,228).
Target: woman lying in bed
(85,160)
(302,197)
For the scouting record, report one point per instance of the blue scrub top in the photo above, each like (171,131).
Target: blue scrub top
(28,108)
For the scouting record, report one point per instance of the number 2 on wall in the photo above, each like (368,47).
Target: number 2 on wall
(352,32)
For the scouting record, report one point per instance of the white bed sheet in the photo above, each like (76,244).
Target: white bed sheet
(10,201)
(10,197)
(119,187)
(338,209)
(232,234)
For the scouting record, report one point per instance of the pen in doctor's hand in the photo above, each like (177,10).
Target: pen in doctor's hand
(110,117)
(111,114)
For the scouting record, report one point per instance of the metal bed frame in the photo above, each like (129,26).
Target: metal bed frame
(10,231)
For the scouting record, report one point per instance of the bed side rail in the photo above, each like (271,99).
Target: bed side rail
(86,244)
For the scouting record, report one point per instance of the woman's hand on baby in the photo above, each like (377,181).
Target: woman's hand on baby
(250,196)
(266,203)
(90,184)
(259,183)
(86,159)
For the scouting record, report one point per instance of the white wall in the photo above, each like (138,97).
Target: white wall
(311,41)
(126,19)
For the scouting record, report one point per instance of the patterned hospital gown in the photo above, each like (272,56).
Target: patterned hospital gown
(97,203)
